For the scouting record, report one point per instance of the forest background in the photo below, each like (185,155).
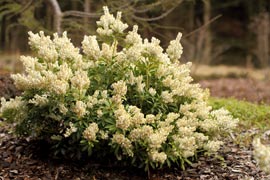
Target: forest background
(231,32)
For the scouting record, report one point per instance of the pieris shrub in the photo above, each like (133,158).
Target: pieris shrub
(122,95)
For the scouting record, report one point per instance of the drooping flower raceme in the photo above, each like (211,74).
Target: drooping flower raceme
(123,92)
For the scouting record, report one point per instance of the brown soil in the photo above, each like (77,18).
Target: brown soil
(28,160)
(239,88)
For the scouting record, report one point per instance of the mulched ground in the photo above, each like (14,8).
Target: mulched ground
(20,159)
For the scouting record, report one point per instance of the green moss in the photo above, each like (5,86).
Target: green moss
(250,115)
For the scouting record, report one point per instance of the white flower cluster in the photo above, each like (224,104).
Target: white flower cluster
(17,105)
(119,88)
(123,118)
(108,24)
(39,100)
(70,130)
(128,92)
(59,69)
(80,80)
(213,146)
(141,133)
(124,142)
(175,49)
(158,156)
(51,50)
(46,49)
(63,109)
(133,38)
(90,132)
(90,47)
(80,108)
(262,155)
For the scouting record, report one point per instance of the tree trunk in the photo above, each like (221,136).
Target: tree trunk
(57,15)
(87,9)
(74,5)
(3,33)
(263,34)
(49,19)
(206,55)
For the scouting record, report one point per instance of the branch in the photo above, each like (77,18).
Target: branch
(22,9)
(203,26)
(25,7)
(80,14)
(146,7)
(166,27)
(154,18)
(123,5)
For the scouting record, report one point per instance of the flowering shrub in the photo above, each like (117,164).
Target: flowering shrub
(123,95)
(262,155)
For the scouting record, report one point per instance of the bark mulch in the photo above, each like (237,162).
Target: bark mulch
(28,160)
(23,160)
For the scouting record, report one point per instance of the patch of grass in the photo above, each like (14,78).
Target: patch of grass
(250,115)
(254,119)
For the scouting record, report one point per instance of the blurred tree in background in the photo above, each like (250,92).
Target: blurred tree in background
(234,32)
